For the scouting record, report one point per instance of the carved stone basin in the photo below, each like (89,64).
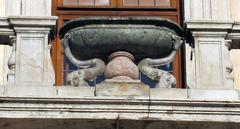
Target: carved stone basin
(98,37)
(122,42)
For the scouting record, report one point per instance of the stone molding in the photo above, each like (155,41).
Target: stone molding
(205,25)
(5,31)
(33,21)
(4,22)
(153,107)
(83,92)
(235,32)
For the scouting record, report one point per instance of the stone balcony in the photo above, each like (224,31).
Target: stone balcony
(41,105)
(79,107)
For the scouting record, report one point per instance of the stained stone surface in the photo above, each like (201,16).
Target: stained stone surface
(122,88)
(169,93)
(75,92)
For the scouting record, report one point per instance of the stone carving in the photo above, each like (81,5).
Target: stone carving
(152,41)
(50,70)
(12,62)
(89,69)
(229,64)
(162,78)
(121,67)
(82,76)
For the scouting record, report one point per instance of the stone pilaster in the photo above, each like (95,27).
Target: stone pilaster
(32,50)
(211,53)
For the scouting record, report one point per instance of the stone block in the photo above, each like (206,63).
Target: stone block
(120,88)
(31,91)
(75,92)
(213,94)
(168,93)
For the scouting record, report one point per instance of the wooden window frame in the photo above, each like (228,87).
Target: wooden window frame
(113,4)
(57,50)
(173,5)
(118,4)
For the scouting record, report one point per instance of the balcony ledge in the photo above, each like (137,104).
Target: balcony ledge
(40,103)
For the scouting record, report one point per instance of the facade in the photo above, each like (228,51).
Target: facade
(32,69)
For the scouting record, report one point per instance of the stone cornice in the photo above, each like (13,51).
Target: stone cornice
(5,28)
(4,22)
(209,25)
(20,21)
(235,32)
(120,108)
(216,28)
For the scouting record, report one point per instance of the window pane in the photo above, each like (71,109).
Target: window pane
(130,2)
(86,2)
(102,2)
(146,2)
(70,2)
(163,3)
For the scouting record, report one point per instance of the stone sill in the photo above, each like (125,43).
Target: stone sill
(85,92)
